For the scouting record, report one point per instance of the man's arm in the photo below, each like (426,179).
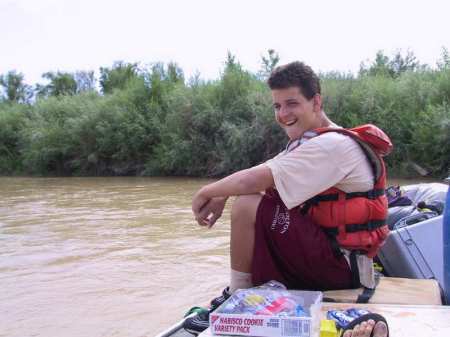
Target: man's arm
(249,181)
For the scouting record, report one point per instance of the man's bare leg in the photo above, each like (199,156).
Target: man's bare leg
(243,217)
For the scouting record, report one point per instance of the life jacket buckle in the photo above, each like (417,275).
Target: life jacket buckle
(374,224)
(372,195)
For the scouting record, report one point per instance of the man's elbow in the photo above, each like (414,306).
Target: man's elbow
(256,180)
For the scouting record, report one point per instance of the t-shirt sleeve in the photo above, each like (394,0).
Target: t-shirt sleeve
(312,168)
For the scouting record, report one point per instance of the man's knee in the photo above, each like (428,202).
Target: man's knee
(244,208)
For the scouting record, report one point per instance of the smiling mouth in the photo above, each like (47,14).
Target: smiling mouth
(289,123)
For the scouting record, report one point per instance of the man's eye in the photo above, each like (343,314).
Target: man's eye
(292,104)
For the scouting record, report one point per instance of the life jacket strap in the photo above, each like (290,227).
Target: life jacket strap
(368,226)
(356,282)
(371,225)
(367,293)
(371,194)
(354,270)
(314,201)
(335,247)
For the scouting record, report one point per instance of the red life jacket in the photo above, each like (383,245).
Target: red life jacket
(357,220)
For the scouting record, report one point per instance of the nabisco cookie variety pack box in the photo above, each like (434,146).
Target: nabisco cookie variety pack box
(268,311)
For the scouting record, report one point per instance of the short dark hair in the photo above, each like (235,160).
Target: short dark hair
(295,74)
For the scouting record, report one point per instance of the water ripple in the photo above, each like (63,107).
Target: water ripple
(104,256)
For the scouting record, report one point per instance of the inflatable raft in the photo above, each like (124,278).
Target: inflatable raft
(414,291)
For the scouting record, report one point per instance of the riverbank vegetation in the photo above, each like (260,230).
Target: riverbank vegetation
(152,121)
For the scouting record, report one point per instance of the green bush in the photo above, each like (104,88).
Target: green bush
(13,118)
(150,122)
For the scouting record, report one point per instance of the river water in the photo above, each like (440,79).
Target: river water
(104,256)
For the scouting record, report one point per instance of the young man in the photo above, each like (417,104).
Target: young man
(285,234)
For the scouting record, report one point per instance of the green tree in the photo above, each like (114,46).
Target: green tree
(162,80)
(174,73)
(384,66)
(14,89)
(400,64)
(444,62)
(230,62)
(233,87)
(12,123)
(268,63)
(85,81)
(151,122)
(380,66)
(117,76)
(60,83)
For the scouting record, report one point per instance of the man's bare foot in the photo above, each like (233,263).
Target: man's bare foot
(365,329)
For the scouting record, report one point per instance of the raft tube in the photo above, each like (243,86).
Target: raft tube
(446,237)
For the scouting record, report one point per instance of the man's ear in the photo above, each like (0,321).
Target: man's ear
(317,104)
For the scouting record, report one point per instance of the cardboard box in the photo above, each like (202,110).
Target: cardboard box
(267,321)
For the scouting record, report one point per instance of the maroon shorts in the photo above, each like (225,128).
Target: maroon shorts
(292,249)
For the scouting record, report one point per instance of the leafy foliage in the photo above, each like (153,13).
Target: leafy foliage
(117,76)
(268,63)
(60,83)
(149,121)
(14,89)
(383,66)
(12,122)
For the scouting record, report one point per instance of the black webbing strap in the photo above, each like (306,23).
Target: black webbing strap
(367,293)
(356,282)
(364,297)
(352,228)
(368,226)
(335,247)
(372,195)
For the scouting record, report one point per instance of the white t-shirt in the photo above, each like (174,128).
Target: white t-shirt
(328,160)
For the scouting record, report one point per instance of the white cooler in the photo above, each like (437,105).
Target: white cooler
(415,251)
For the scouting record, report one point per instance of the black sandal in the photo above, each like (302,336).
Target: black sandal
(376,317)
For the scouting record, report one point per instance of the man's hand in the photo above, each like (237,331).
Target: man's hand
(208,203)
(207,210)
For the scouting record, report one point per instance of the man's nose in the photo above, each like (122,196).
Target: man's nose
(283,112)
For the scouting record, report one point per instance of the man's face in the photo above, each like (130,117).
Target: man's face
(294,112)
